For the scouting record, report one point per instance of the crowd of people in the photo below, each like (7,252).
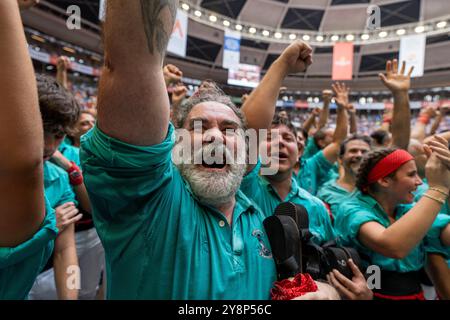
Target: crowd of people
(111,203)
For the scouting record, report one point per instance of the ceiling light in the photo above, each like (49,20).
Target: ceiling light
(265,33)
(185,6)
(350,37)
(319,38)
(238,27)
(419,29)
(292,36)
(365,36)
(306,37)
(226,23)
(252,30)
(198,13)
(383,34)
(335,38)
(212,18)
(37,38)
(278,35)
(401,32)
(441,24)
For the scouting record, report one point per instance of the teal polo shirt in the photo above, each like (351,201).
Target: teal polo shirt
(160,241)
(433,242)
(314,172)
(57,187)
(333,195)
(266,197)
(311,148)
(19,266)
(70,152)
(360,209)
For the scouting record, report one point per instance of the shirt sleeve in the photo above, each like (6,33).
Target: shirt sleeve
(317,168)
(67,194)
(250,182)
(127,182)
(433,242)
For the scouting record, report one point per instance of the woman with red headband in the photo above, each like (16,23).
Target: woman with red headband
(384,224)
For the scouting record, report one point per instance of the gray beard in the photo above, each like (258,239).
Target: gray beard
(213,188)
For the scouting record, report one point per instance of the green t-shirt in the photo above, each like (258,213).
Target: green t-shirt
(360,209)
(311,148)
(160,241)
(19,266)
(57,187)
(265,196)
(333,195)
(314,172)
(71,152)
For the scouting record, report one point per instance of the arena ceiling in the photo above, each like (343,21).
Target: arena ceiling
(205,43)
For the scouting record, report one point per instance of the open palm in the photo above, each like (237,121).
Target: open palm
(394,79)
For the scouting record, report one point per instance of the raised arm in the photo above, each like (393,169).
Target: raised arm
(327,95)
(399,83)
(311,121)
(259,108)
(21,134)
(443,111)
(352,115)
(62,65)
(331,152)
(439,273)
(133,102)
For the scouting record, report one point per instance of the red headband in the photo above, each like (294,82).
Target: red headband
(388,164)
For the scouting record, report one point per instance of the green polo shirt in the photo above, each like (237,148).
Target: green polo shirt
(314,172)
(433,242)
(19,266)
(266,197)
(360,209)
(160,241)
(333,195)
(57,187)
(311,148)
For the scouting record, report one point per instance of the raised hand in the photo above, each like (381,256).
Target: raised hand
(297,57)
(316,111)
(172,74)
(63,63)
(351,108)
(341,91)
(396,80)
(178,94)
(327,95)
(439,146)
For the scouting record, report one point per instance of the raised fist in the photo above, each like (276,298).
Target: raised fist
(327,95)
(297,57)
(63,63)
(172,74)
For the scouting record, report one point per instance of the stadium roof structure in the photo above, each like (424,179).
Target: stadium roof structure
(312,18)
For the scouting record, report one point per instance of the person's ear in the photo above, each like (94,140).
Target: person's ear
(385,182)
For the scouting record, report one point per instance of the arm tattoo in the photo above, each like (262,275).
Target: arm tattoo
(157,36)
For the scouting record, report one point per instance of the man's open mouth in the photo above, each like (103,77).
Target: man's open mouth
(213,165)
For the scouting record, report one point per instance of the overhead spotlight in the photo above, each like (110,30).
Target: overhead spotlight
(362,100)
(310,99)
(306,37)
(383,34)
(185,6)
(69,49)
(278,35)
(369,100)
(365,36)
(238,27)
(441,24)
(226,23)
(316,100)
(292,36)
(401,32)
(265,33)
(212,18)
(350,37)
(419,29)
(50,67)
(319,38)
(37,38)
(252,30)
(198,13)
(335,38)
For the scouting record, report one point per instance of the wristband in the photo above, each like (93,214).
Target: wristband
(424,119)
(442,202)
(75,175)
(439,190)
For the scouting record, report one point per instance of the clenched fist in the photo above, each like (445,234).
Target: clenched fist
(63,63)
(296,58)
(172,74)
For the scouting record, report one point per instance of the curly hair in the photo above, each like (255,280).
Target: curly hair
(210,94)
(369,161)
(59,109)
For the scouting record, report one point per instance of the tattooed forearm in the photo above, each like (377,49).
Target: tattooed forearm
(155,30)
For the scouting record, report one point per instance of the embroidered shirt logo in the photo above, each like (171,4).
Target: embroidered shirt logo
(263,249)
